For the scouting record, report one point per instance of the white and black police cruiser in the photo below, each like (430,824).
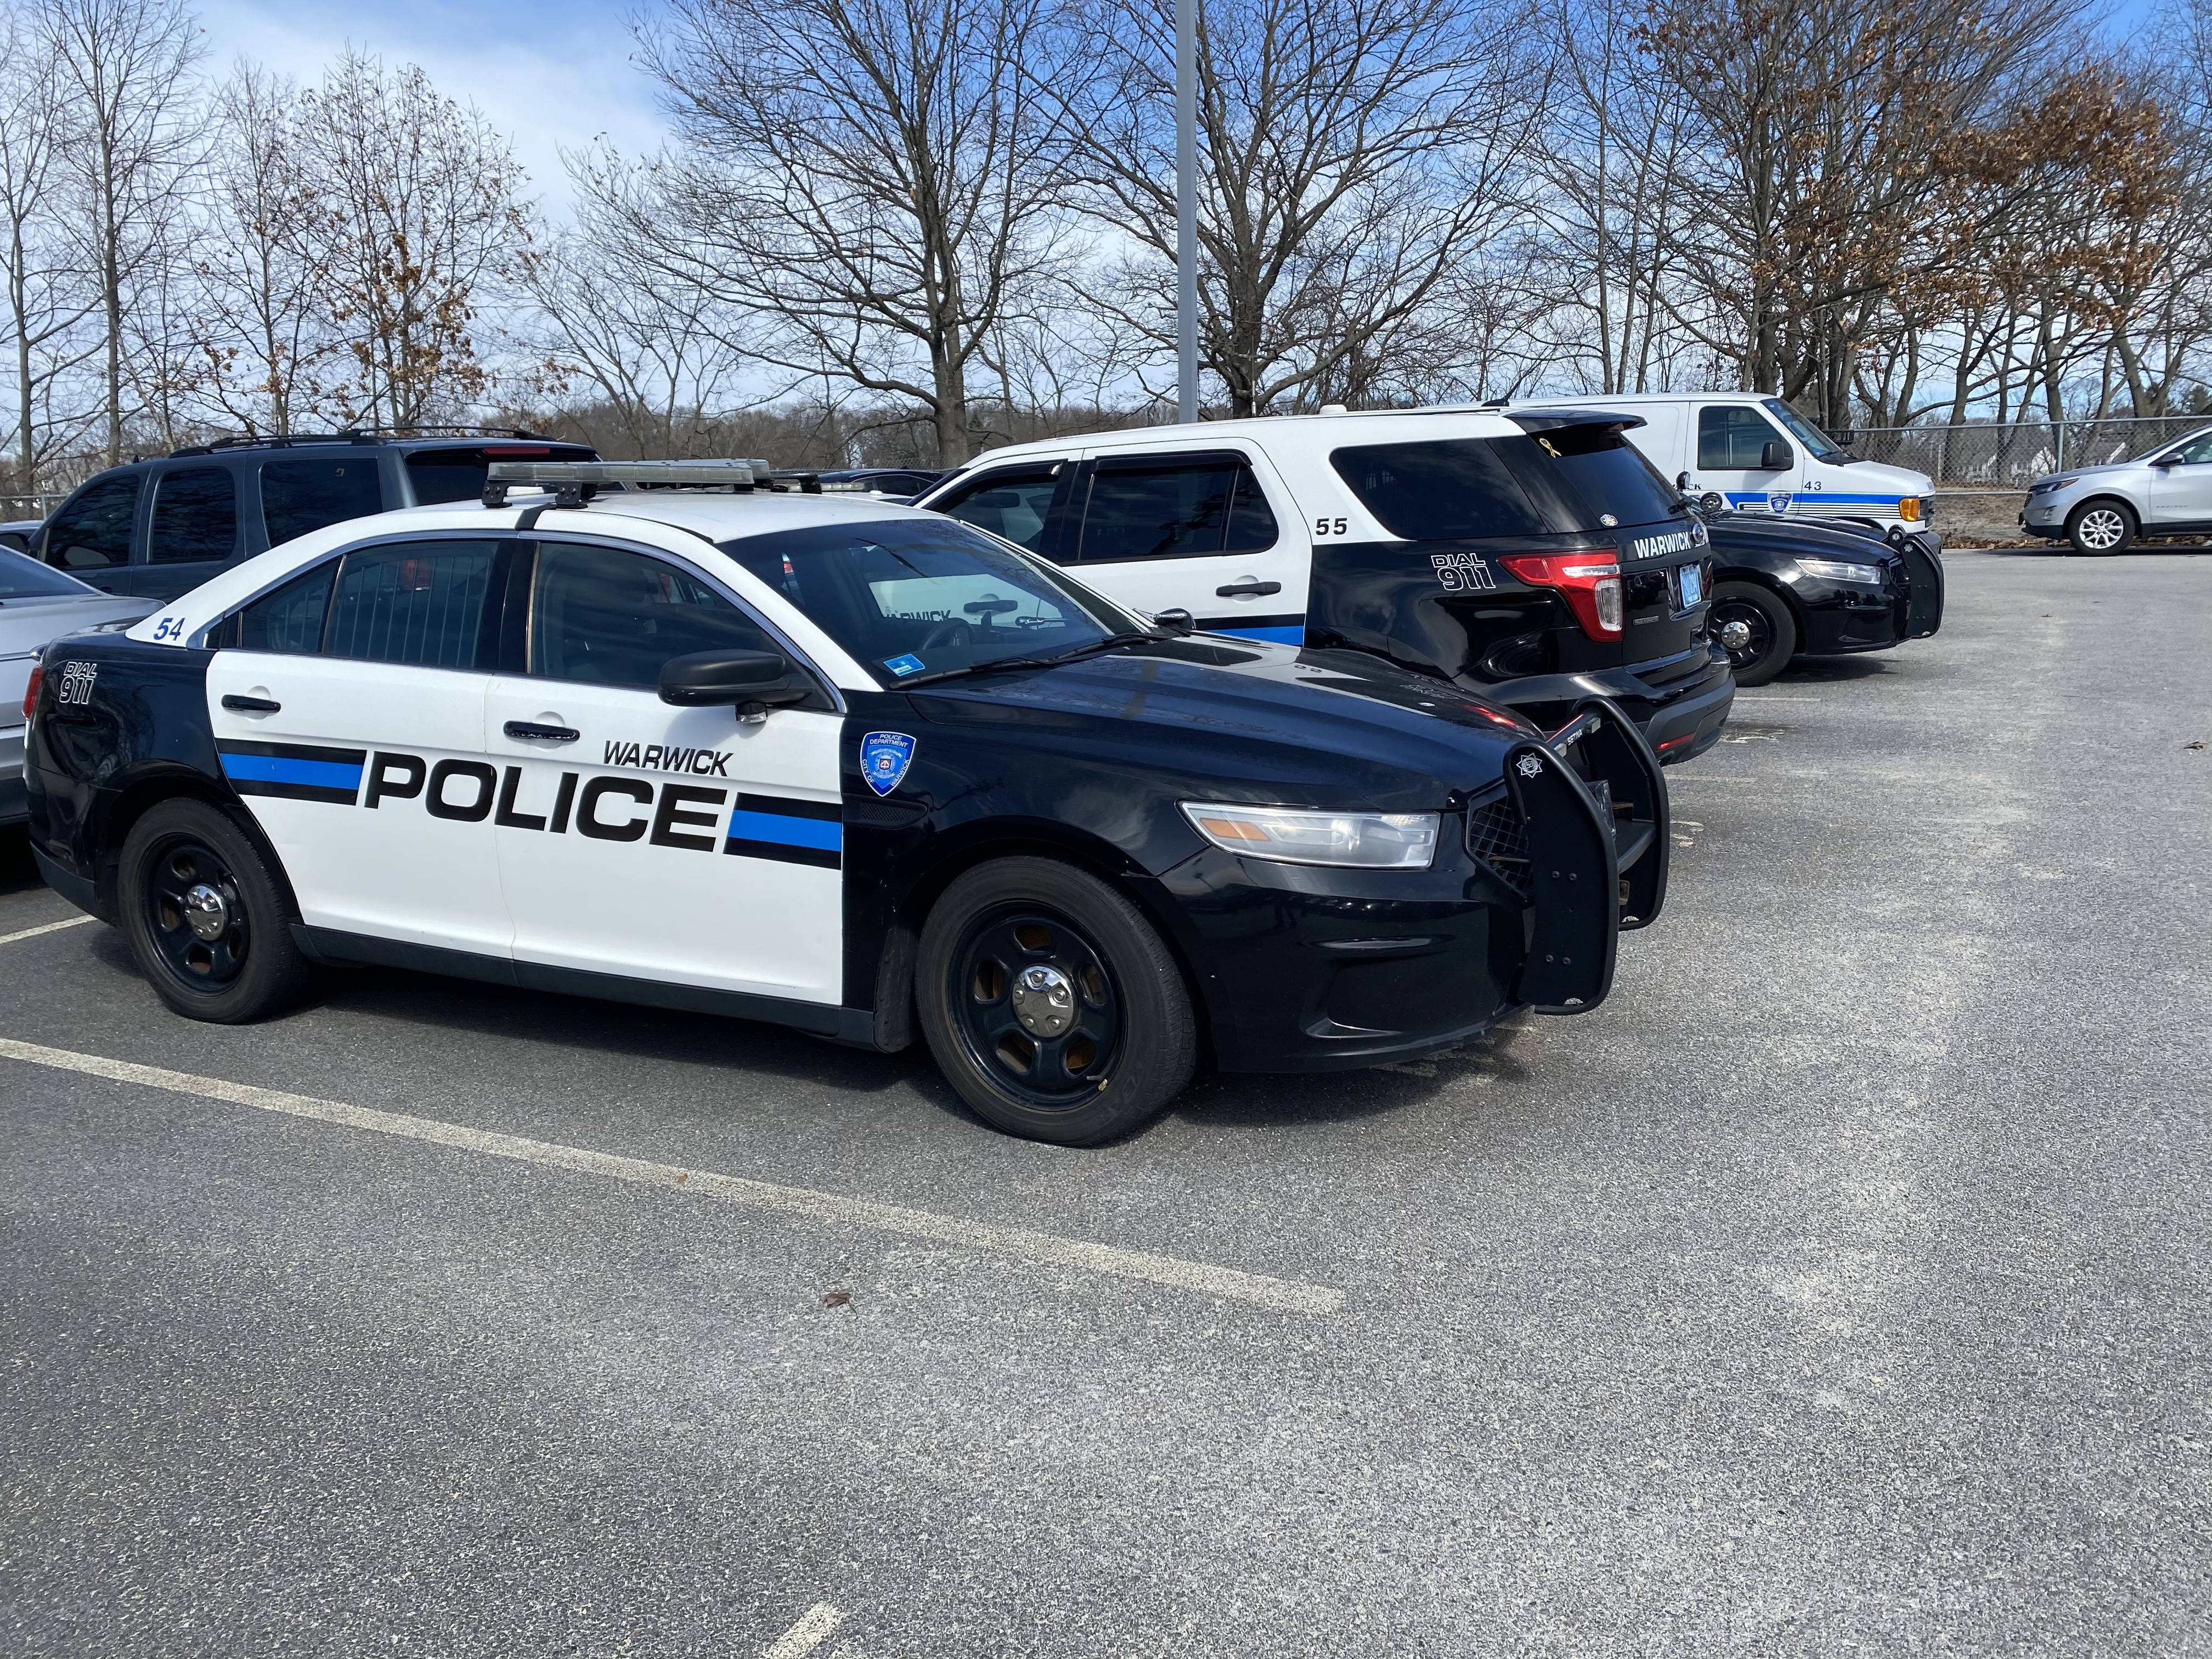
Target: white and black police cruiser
(845,765)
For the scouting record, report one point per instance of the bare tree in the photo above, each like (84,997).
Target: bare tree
(123,70)
(870,187)
(412,206)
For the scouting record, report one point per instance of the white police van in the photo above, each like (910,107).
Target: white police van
(1532,557)
(1763,457)
(835,763)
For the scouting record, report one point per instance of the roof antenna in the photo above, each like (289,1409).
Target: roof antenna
(1511,391)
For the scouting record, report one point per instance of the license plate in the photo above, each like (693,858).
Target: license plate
(1692,586)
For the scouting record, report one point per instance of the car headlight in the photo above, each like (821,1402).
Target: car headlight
(1836,570)
(1290,834)
(2044,487)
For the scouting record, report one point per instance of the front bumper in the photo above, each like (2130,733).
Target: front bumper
(1303,969)
(1680,716)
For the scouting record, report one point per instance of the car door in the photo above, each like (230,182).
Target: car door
(192,531)
(2181,488)
(91,537)
(644,841)
(1732,440)
(1196,531)
(347,708)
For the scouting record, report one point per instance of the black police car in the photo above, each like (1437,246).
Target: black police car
(849,766)
(1785,588)
(159,527)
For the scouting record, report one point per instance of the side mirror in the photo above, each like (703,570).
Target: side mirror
(1776,456)
(754,682)
(1177,621)
(2167,460)
(1682,481)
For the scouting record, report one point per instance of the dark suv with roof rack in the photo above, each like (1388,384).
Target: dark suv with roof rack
(158,528)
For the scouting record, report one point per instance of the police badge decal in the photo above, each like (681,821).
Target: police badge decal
(884,757)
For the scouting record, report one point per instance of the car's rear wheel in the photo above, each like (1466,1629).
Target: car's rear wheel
(204,917)
(2101,528)
(1051,1004)
(1756,629)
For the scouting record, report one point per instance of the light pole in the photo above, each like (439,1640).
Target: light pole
(1186,210)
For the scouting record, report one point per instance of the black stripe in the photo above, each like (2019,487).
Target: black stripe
(305,751)
(815,856)
(293,791)
(783,806)
(1245,619)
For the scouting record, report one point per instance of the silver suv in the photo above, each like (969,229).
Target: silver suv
(2101,510)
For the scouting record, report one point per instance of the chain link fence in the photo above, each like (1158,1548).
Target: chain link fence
(1988,456)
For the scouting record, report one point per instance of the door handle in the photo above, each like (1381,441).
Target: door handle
(521,729)
(251,705)
(1258,590)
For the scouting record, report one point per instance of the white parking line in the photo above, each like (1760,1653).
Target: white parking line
(50,927)
(1290,1294)
(808,1634)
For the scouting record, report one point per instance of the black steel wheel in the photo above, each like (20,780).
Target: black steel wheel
(1756,629)
(1051,1003)
(205,918)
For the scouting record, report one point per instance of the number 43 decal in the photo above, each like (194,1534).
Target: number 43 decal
(1328,527)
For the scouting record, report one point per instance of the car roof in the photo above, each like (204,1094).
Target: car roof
(1281,435)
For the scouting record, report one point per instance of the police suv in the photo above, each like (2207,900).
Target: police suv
(833,762)
(1533,558)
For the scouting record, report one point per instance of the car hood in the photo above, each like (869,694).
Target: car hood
(1748,530)
(2109,470)
(1252,721)
(27,624)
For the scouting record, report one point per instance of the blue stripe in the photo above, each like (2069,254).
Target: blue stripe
(274,769)
(1272,636)
(1811,495)
(787,832)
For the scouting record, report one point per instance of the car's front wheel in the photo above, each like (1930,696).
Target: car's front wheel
(2101,528)
(204,917)
(1051,1004)
(1756,629)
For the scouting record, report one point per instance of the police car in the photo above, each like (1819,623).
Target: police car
(1531,558)
(833,762)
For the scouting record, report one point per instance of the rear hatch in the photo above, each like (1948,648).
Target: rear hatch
(1511,542)
(456,473)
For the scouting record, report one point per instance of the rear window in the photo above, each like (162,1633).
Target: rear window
(458,474)
(24,577)
(1611,475)
(1450,490)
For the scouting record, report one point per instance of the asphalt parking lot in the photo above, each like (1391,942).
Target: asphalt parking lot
(1840,1286)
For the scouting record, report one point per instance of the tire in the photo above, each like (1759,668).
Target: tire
(2100,528)
(1129,1042)
(206,919)
(1759,623)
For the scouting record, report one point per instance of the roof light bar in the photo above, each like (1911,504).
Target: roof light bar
(574,482)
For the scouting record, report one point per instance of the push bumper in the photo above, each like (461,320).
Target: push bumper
(1681,717)
(1303,969)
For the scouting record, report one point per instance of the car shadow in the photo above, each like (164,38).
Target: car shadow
(1820,670)
(2060,550)
(18,873)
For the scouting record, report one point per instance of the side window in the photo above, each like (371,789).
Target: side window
(613,617)
(195,517)
(421,602)
(1013,504)
(1166,510)
(93,532)
(1732,437)
(289,620)
(2197,453)
(300,493)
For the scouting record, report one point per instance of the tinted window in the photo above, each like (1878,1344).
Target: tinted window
(195,517)
(411,602)
(1013,505)
(1610,475)
(93,531)
(613,618)
(458,475)
(1733,437)
(300,493)
(2197,451)
(22,578)
(289,620)
(925,597)
(1448,490)
(1164,512)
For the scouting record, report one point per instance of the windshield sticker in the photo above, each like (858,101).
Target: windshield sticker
(1460,572)
(884,757)
(903,665)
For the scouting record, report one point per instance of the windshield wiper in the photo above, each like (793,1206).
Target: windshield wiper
(1109,643)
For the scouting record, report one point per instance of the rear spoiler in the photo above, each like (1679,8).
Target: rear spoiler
(1556,420)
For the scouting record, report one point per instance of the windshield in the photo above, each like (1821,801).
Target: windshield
(22,578)
(1822,447)
(912,596)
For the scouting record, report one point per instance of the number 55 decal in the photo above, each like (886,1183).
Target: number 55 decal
(1328,527)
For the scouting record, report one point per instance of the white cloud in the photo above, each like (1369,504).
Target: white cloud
(549,78)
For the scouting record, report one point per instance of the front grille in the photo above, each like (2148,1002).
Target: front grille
(1497,837)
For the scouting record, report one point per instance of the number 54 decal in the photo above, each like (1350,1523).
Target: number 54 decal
(1328,527)
(169,627)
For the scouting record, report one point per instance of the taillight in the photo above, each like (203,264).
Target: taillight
(1589,580)
(31,691)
